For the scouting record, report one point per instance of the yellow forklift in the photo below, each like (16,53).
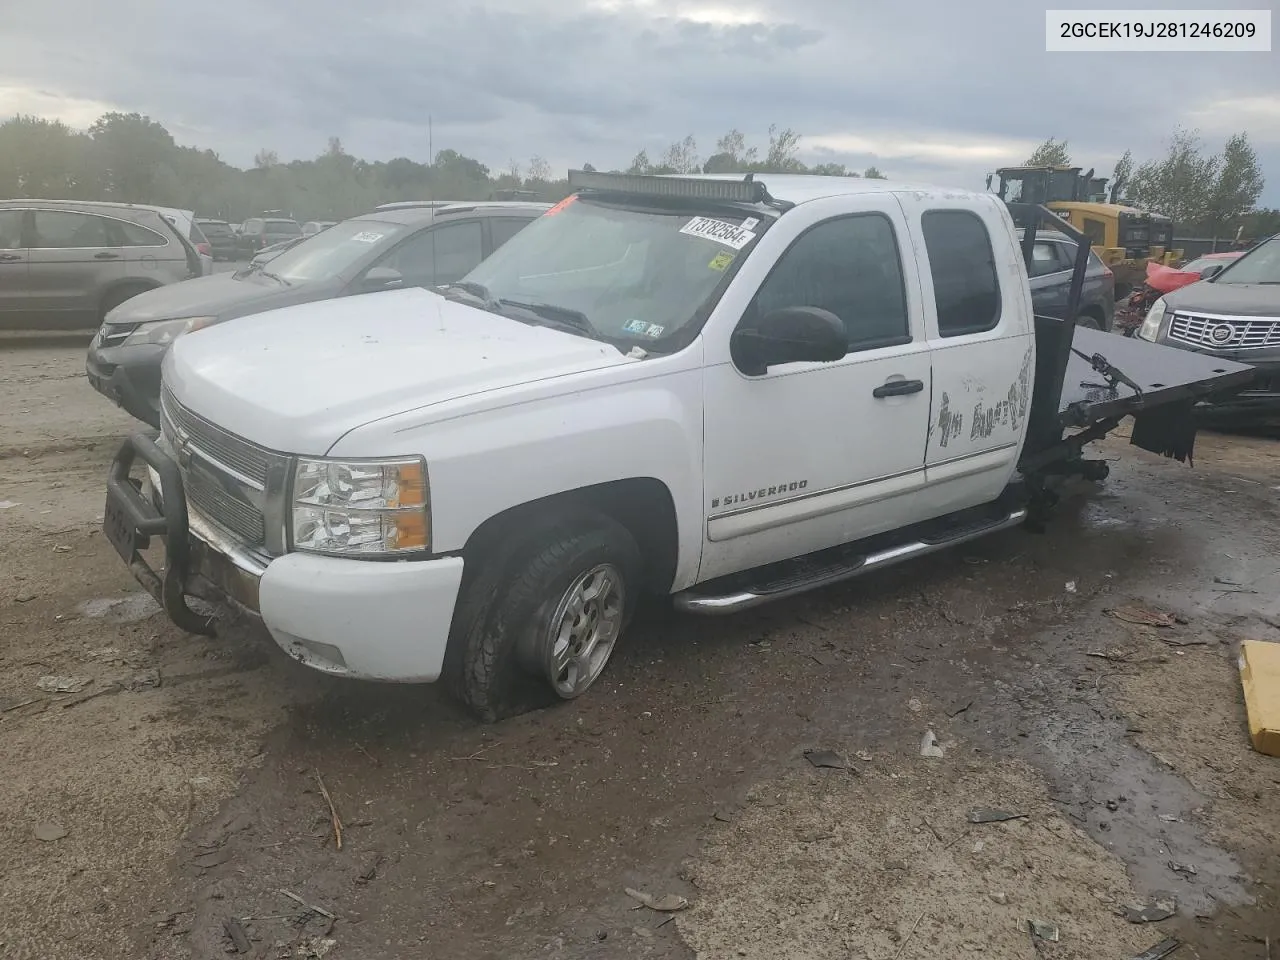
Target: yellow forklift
(1123,237)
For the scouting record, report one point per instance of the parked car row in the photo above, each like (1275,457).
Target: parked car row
(383,250)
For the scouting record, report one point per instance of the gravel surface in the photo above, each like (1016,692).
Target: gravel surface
(179,788)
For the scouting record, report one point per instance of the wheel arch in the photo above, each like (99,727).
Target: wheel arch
(136,284)
(644,506)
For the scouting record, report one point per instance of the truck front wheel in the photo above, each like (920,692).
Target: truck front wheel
(546,626)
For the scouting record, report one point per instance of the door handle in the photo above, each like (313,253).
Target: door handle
(10,257)
(897,388)
(106,255)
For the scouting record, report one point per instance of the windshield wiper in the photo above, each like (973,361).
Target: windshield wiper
(478,290)
(564,316)
(276,277)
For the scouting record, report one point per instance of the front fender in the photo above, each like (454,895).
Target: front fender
(646,423)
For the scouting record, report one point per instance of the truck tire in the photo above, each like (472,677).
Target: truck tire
(542,626)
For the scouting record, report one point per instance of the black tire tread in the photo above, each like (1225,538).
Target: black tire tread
(509,593)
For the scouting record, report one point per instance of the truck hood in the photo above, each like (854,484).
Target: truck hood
(1228,299)
(218,296)
(296,380)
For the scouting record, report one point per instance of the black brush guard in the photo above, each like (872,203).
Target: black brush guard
(1087,381)
(130,520)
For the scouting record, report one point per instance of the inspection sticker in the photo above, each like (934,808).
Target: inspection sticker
(367,236)
(720,261)
(720,231)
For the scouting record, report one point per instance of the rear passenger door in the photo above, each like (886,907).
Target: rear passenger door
(13,267)
(73,260)
(982,343)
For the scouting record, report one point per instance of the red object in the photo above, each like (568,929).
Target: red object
(204,249)
(1164,279)
(561,205)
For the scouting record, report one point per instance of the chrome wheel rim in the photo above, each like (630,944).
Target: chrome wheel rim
(584,630)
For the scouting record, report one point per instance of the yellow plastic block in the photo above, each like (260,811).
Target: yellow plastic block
(1260,674)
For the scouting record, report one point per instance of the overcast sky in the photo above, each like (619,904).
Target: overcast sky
(926,90)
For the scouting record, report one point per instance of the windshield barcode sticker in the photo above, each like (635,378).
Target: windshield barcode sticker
(721,231)
(367,236)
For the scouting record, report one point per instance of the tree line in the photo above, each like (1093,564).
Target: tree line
(132,158)
(1206,194)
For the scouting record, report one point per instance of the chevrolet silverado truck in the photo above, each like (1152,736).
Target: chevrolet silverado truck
(702,387)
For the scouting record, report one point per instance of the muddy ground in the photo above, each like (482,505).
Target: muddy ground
(174,785)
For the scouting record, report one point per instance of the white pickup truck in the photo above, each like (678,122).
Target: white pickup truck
(702,387)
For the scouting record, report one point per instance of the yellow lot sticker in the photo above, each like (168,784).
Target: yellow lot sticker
(720,261)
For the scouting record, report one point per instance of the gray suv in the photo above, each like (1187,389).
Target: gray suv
(1233,313)
(383,250)
(65,264)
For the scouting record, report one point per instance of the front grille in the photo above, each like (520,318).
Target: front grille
(208,499)
(247,459)
(225,475)
(1225,333)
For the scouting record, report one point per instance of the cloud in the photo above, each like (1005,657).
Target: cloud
(927,90)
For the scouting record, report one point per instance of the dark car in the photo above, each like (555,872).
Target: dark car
(1233,314)
(377,251)
(259,232)
(1053,261)
(222,240)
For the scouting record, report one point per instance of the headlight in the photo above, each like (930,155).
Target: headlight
(1150,328)
(164,332)
(369,508)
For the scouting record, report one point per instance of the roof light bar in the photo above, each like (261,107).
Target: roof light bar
(684,188)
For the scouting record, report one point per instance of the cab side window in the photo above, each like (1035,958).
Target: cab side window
(850,266)
(136,235)
(966,288)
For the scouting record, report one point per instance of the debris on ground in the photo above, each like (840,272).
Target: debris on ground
(1186,869)
(1071,586)
(307,906)
(49,832)
(914,705)
(1160,950)
(63,684)
(1143,616)
(334,820)
(864,756)
(315,949)
(667,903)
(1043,931)
(8,504)
(145,680)
(236,932)
(826,759)
(1000,898)
(986,815)
(1153,912)
(929,746)
(1260,674)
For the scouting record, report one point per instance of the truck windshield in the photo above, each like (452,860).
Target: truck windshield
(330,252)
(1260,265)
(633,274)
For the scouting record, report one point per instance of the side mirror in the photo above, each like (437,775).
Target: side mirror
(1211,271)
(380,278)
(789,335)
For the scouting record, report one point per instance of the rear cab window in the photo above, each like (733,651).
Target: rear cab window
(962,263)
(283,227)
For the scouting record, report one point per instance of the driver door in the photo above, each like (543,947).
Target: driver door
(811,455)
